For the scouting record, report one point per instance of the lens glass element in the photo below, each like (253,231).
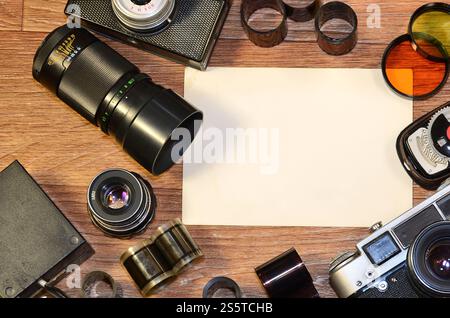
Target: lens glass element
(438,259)
(409,73)
(435,24)
(117,197)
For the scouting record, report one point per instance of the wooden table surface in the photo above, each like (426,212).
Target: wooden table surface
(64,152)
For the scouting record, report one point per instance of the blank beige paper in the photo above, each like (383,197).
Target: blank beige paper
(330,157)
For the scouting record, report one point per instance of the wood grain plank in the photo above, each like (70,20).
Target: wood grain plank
(11,15)
(43,15)
(64,152)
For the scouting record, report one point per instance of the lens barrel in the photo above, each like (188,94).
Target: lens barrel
(120,203)
(111,92)
(429,260)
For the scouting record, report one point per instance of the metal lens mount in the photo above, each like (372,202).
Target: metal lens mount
(124,220)
(144,16)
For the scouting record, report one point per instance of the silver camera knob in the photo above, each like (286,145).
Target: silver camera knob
(375,227)
(341,259)
(144,15)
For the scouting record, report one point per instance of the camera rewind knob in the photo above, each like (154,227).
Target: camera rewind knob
(375,227)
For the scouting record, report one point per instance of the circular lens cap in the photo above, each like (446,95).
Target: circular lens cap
(432,19)
(409,73)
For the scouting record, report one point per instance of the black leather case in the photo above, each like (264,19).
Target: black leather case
(36,240)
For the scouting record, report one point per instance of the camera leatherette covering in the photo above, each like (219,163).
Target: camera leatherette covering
(188,35)
(36,240)
(399,286)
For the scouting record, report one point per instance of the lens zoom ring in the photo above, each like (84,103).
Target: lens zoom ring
(88,79)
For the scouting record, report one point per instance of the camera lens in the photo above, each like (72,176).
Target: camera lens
(121,203)
(147,16)
(429,260)
(111,93)
(438,258)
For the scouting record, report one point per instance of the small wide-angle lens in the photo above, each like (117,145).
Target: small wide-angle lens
(121,203)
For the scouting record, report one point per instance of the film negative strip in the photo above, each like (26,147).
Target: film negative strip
(286,276)
(335,45)
(156,261)
(267,38)
(218,283)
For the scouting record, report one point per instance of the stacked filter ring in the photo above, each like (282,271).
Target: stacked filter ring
(416,65)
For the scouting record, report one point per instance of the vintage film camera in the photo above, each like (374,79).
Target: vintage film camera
(407,258)
(181,30)
(424,148)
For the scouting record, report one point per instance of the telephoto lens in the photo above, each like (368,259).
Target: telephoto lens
(111,92)
(121,203)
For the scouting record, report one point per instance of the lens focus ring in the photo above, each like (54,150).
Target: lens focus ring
(121,203)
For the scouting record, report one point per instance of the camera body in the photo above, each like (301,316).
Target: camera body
(187,34)
(424,148)
(399,260)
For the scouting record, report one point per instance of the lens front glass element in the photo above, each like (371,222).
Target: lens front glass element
(116,197)
(435,24)
(438,259)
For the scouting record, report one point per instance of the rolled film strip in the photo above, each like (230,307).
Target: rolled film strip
(303,13)
(156,261)
(334,45)
(432,19)
(90,284)
(286,276)
(268,38)
(218,283)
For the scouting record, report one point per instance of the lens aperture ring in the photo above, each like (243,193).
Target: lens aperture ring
(114,97)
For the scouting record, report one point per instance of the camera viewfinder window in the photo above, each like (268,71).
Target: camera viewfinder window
(381,249)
